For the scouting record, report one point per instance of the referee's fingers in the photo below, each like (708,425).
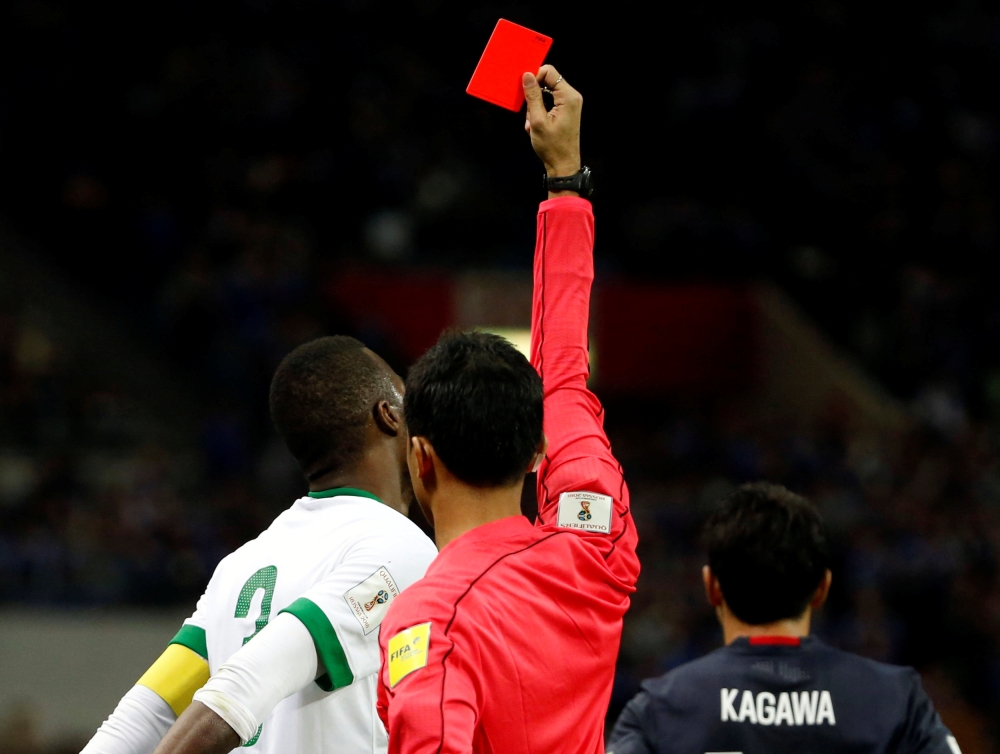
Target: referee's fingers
(548,76)
(533,94)
(563,95)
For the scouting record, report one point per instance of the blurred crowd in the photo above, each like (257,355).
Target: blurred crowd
(209,174)
(90,513)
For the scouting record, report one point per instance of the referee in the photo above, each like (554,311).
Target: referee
(773,687)
(508,644)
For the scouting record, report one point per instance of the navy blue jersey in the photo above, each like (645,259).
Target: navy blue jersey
(767,697)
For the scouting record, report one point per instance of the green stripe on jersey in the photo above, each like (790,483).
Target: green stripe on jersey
(192,637)
(331,652)
(347,491)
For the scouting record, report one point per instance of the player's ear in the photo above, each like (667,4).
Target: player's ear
(389,420)
(536,461)
(822,591)
(713,592)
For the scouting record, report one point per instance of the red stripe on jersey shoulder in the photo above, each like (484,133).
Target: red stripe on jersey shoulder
(781,641)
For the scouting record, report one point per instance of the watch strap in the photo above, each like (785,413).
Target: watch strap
(581,182)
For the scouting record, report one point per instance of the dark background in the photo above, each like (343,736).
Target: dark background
(830,147)
(200,169)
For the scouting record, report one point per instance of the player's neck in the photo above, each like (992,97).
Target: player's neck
(377,472)
(733,628)
(459,508)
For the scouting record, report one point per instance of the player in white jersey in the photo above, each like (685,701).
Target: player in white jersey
(310,591)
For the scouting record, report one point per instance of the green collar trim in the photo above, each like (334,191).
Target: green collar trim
(338,491)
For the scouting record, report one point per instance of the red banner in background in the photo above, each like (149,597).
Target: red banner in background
(693,338)
(409,309)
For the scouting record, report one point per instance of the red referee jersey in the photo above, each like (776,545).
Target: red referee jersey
(509,643)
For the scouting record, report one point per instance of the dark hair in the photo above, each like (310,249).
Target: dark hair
(321,397)
(769,550)
(479,403)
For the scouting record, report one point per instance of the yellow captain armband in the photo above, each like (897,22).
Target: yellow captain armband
(180,671)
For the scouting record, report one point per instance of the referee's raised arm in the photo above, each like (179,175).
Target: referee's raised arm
(580,483)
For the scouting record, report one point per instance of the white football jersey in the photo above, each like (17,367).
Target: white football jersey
(335,560)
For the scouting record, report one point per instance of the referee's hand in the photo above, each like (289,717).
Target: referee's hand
(555,133)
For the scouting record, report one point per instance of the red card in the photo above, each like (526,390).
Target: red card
(511,51)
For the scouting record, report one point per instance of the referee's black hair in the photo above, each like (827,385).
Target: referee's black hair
(769,549)
(322,396)
(479,403)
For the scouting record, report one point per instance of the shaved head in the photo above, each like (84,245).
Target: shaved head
(322,398)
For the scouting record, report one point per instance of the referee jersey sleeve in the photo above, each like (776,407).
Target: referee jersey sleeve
(580,482)
(435,689)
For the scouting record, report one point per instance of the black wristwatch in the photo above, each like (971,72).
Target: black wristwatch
(582,183)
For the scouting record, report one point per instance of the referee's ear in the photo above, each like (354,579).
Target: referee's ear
(422,455)
(536,461)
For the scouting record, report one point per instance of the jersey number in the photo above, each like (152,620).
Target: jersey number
(264,579)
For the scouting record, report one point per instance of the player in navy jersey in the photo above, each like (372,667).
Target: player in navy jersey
(773,687)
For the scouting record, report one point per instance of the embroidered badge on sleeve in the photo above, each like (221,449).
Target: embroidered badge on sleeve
(370,599)
(586,510)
